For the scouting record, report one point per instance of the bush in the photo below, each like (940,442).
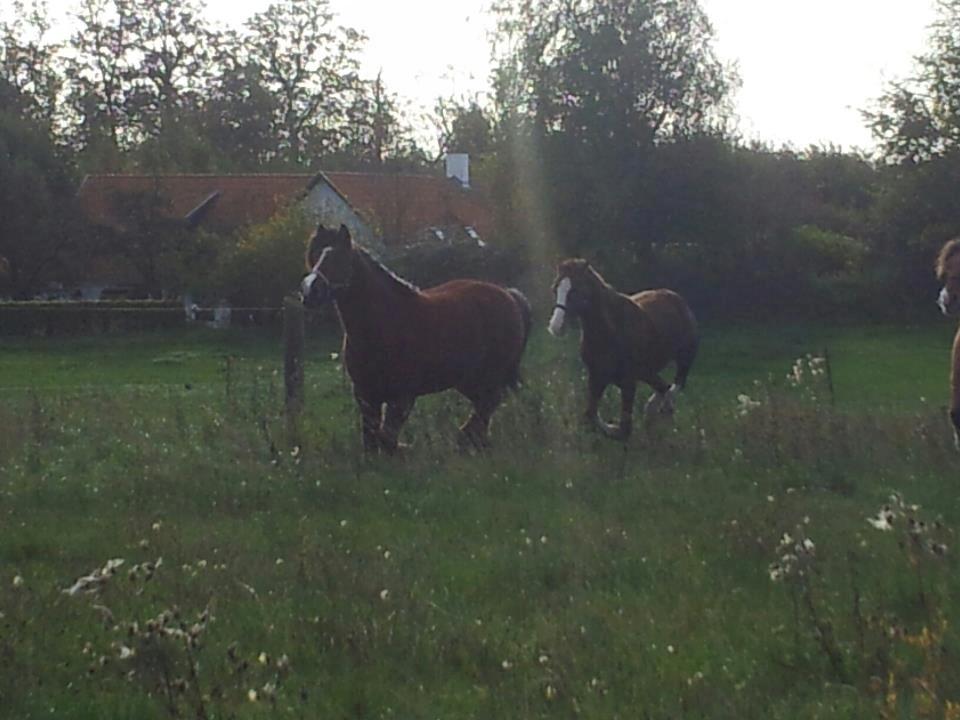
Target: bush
(265,264)
(427,265)
(88,317)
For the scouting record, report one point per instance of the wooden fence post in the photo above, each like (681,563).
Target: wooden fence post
(293,347)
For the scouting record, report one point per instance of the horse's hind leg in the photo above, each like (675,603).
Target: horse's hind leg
(662,399)
(685,357)
(476,430)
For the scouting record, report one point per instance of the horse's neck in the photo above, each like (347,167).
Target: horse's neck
(365,306)
(599,319)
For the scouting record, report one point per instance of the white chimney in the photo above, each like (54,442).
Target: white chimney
(458,166)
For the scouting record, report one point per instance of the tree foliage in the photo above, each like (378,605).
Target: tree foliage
(310,65)
(918,118)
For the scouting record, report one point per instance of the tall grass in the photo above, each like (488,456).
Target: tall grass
(559,574)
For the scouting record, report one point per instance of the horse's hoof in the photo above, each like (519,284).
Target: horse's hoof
(614,432)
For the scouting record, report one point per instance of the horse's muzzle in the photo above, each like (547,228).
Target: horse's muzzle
(315,291)
(948,303)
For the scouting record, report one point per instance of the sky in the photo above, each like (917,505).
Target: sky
(807,67)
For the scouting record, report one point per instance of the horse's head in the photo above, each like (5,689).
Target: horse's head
(948,272)
(330,261)
(575,288)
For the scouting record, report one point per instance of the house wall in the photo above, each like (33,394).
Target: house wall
(329,207)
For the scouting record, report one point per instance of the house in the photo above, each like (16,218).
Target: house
(389,208)
(383,210)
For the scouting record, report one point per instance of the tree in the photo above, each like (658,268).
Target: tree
(593,87)
(373,133)
(35,195)
(174,44)
(29,81)
(919,118)
(462,127)
(310,65)
(237,119)
(635,70)
(101,70)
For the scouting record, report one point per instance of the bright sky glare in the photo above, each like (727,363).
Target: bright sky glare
(807,68)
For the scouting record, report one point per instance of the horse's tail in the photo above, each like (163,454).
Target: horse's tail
(526,312)
(688,352)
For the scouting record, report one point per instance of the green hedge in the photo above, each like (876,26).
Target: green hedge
(50,318)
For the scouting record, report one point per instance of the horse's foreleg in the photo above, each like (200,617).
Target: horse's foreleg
(394,418)
(371,414)
(628,392)
(595,390)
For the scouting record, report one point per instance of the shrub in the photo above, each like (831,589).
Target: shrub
(85,317)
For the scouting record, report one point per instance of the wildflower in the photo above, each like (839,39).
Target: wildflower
(506,664)
(91,583)
(252,695)
(343,523)
(384,594)
(126,653)
(543,659)
(745,404)
(263,658)
(283,662)
(156,526)
(549,692)
(883,521)
(269,690)
(18,581)
(670,649)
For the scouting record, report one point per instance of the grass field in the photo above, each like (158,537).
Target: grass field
(558,575)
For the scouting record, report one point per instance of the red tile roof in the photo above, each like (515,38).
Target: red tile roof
(403,206)
(243,200)
(399,206)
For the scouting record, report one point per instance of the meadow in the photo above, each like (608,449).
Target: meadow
(784,548)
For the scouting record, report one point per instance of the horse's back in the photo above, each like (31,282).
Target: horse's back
(476,330)
(670,315)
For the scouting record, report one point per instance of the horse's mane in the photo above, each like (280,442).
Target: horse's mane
(568,266)
(947,252)
(405,286)
(600,279)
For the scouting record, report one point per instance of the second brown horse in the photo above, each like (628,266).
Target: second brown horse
(401,342)
(625,339)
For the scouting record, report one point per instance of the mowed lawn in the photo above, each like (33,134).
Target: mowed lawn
(559,575)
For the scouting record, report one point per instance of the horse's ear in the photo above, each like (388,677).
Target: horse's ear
(343,235)
(314,246)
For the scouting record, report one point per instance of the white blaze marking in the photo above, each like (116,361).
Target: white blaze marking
(943,300)
(307,284)
(556,320)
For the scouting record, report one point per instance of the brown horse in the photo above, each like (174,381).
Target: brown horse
(625,339)
(948,272)
(401,342)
